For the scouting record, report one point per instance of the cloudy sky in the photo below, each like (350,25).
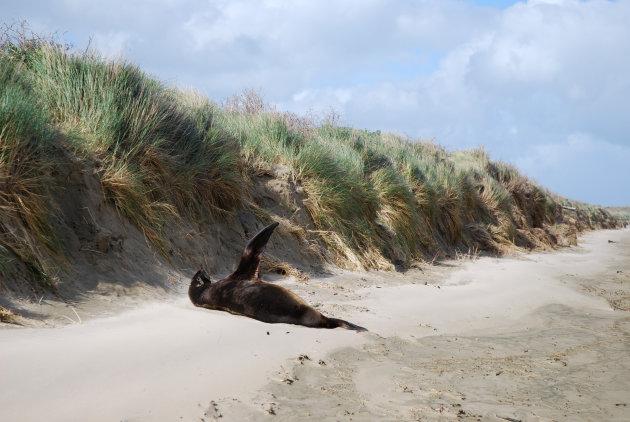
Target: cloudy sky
(543,84)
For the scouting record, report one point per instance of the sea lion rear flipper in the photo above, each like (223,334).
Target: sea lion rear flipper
(250,260)
(345,324)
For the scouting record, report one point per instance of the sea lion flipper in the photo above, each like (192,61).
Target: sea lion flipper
(201,277)
(336,322)
(198,284)
(250,259)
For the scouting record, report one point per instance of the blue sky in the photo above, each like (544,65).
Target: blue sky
(543,84)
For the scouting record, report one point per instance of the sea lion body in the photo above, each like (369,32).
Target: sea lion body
(244,293)
(260,300)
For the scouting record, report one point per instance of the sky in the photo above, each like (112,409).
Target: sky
(541,84)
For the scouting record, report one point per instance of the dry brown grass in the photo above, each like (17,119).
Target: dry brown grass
(6,315)
(271,264)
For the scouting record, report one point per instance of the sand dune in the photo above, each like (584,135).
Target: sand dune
(535,337)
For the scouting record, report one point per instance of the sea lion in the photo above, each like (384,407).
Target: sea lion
(244,293)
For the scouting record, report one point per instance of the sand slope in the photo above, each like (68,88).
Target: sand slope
(161,362)
(537,337)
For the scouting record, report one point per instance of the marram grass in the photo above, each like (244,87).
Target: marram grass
(27,136)
(375,199)
(161,152)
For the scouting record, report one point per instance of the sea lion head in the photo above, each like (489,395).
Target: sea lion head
(198,284)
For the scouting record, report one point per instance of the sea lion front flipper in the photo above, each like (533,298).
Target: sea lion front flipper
(250,260)
(198,285)
(200,278)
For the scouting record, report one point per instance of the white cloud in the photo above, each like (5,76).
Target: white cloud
(581,166)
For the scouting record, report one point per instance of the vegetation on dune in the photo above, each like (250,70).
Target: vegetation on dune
(375,199)
(379,198)
(158,151)
(162,155)
(27,139)
(620,213)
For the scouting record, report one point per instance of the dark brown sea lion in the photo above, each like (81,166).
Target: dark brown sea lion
(244,293)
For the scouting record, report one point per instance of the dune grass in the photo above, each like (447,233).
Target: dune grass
(158,153)
(621,213)
(162,156)
(383,198)
(27,137)
(376,199)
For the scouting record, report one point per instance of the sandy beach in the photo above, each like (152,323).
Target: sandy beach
(534,337)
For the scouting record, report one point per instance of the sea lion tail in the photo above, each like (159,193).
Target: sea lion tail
(347,325)
(250,259)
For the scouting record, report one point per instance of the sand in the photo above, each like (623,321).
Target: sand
(534,337)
